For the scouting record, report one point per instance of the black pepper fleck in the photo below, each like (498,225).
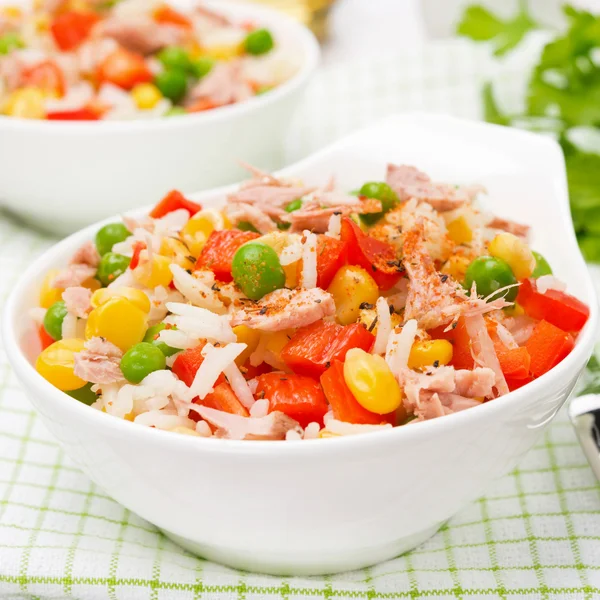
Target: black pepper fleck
(436,363)
(366,305)
(372,326)
(263,311)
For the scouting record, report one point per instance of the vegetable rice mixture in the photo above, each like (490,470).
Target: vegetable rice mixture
(301,312)
(86,60)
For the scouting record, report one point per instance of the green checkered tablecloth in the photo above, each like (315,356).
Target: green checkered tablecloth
(536,534)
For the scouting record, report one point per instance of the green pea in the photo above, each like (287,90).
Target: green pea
(379,191)
(201,67)
(256,270)
(491,274)
(172,84)
(10,42)
(84,394)
(283,226)
(175,58)
(151,338)
(176,111)
(246,226)
(259,42)
(53,320)
(294,205)
(111,266)
(541,266)
(109,235)
(141,360)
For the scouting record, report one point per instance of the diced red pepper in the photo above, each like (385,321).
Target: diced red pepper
(219,250)
(81,114)
(344,405)
(515,362)
(461,344)
(515,384)
(377,257)
(137,250)
(250,371)
(187,364)
(169,16)
(174,200)
(46,76)
(223,398)
(312,348)
(201,105)
(45,338)
(547,346)
(331,256)
(124,69)
(300,398)
(71,28)
(561,309)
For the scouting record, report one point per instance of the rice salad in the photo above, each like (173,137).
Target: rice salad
(89,60)
(299,311)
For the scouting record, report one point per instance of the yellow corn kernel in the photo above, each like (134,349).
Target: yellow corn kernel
(368,315)
(41,23)
(277,341)
(516,310)
(515,252)
(459,231)
(325,433)
(223,51)
(456,266)
(91,284)
(351,287)
(177,252)
(25,103)
(56,364)
(11,12)
(146,96)
(279,240)
(154,272)
(429,352)
(186,431)
(371,382)
(250,337)
(135,296)
(119,321)
(48,294)
(196,231)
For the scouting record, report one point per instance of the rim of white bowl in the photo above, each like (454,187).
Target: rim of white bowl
(305,39)
(289,450)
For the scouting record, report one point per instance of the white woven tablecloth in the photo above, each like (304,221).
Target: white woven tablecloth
(536,534)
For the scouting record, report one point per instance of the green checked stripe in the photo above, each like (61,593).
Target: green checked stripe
(535,535)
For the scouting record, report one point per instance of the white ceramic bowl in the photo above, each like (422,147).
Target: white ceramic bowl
(321,506)
(63,175)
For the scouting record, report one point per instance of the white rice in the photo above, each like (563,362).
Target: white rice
(239,385)
(343,428)
(196,323)
(260,409)
(163,419)
(334,228)
(399,345)
(203,428)
(309,261)
(69,327)
(384,326)
(197,289)
(292,436)
(37,315)
(216,360)
(328,416)
(312,431)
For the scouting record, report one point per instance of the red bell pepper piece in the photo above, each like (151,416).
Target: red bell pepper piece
(561,309)
(515,384)
(137,250)
(547,346)
(223,398)
(201,105)
(124,69)
(377,257)
(219,250)
(174,200)
(331,256)
(81,114)
(45,339)
(71,28)
(47,76)
(187,364)
(515,362)
(169,16)
(312,348)
(251,372)
(344,405)
(300,398)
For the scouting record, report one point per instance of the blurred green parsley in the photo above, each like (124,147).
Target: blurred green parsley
(563,93)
